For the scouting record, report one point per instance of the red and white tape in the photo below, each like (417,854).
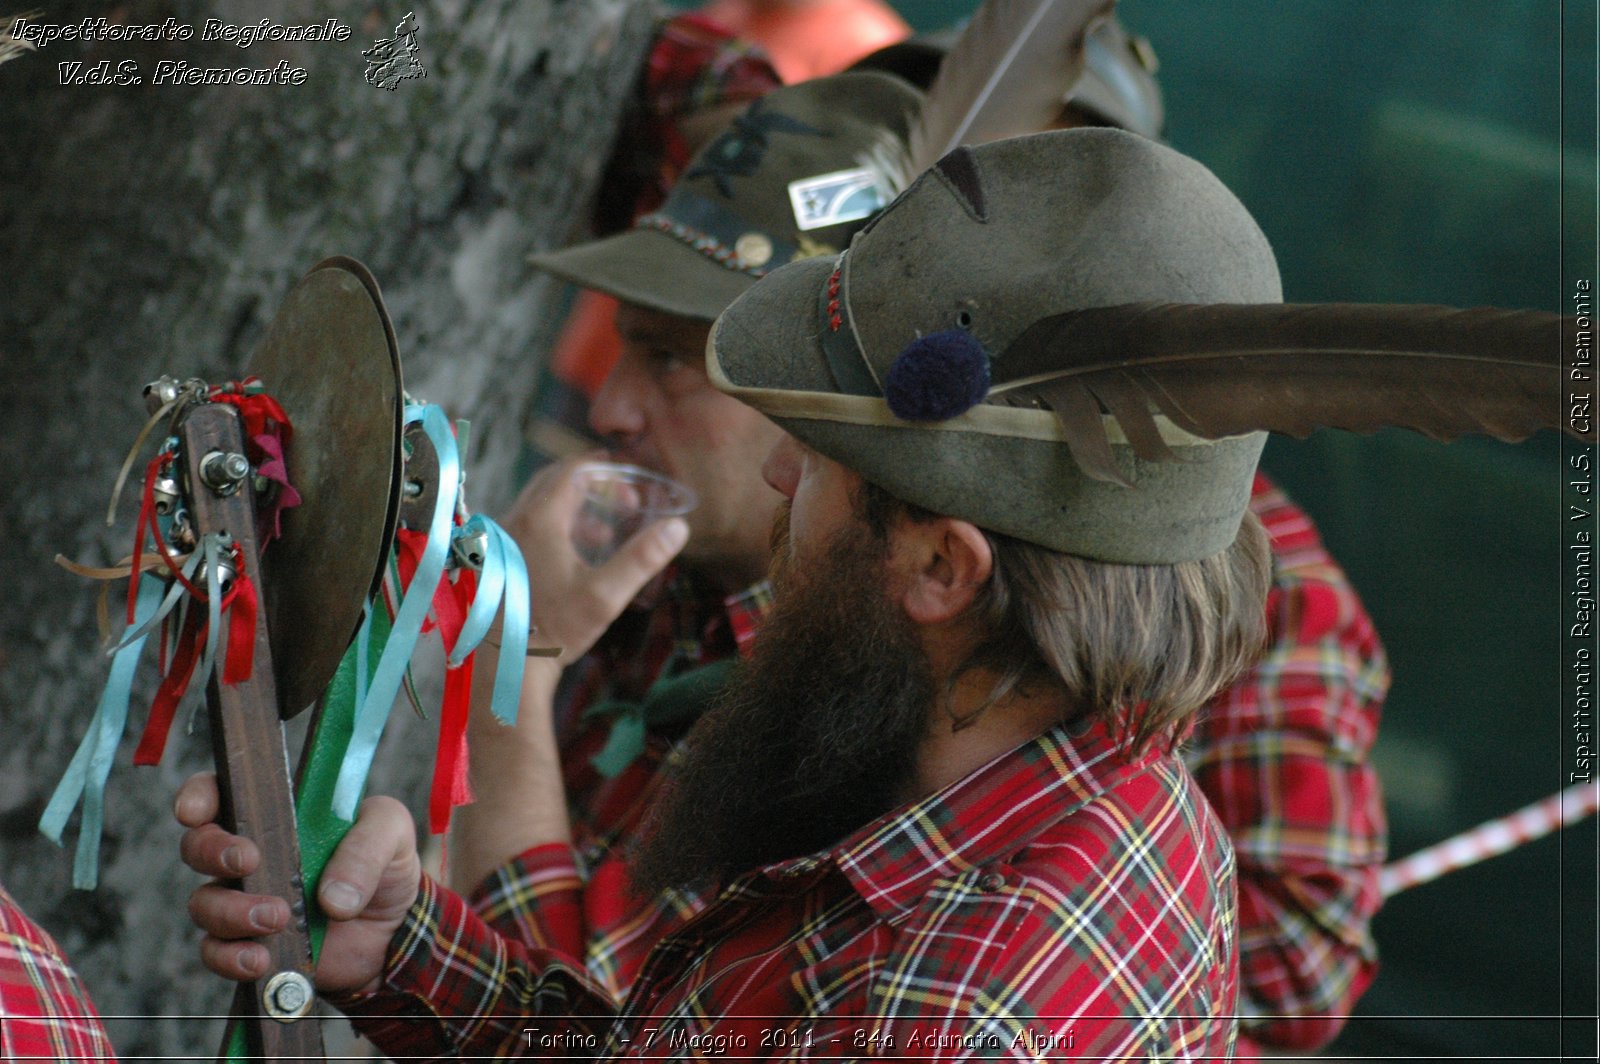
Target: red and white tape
(1487,840)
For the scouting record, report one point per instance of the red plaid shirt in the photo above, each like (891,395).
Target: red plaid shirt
(45,1014)
(1282,756)
(574,899)
(1059,901)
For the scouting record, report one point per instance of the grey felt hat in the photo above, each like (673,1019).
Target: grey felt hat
(989,242)
(794,176)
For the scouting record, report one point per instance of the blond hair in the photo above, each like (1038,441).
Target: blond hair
(1143,647)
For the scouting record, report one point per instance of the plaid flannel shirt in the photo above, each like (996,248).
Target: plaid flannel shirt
(575,899)
(45,1014)
(1060,901)
(1282,756)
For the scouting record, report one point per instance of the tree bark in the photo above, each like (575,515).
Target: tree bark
(154,228)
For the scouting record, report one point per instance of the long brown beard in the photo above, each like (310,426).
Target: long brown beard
(814,736)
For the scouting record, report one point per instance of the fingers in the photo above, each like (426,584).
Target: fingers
(207,847)
(369,884)
(213,851)
(637,561)
(230,920)
(375,870)
(198,800)
(239,961)
(229,917)
(545,508)
(572,603)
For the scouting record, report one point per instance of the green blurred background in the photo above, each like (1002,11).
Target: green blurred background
(1413,151)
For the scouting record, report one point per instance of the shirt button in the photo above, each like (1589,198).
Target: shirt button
(991,881)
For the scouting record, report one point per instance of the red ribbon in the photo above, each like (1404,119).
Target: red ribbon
(450,785)
(450,788)
(451,601)
(241,605)
(409,544)
(259,411)
(173,685)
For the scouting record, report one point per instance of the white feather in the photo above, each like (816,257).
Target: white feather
(1007,74)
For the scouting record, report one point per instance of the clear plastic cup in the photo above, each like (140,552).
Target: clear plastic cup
(618,501)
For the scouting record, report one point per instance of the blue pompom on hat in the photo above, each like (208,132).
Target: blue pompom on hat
(937,377)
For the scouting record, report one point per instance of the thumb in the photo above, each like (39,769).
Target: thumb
(368,886)
(374,871)
(644,555)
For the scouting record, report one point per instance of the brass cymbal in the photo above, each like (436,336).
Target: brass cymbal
(330,359)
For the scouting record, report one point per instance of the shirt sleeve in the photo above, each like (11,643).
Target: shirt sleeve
(1283,756)
(454,988)
(536,898)
(45,1013)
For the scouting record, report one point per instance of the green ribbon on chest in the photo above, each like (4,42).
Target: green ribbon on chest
(672,704)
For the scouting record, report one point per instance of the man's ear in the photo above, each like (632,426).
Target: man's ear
(945,562)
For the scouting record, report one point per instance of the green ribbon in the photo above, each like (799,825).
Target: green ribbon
(672,702)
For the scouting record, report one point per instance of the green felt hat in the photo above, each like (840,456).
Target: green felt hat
(992,241)
(793,177)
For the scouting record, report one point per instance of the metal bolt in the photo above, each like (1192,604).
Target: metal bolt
(224,471)
(287,996)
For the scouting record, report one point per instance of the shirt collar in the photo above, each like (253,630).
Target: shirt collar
(706,626)
(746,611)
(986,816)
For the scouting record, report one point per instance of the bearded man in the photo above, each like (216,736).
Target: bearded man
(1281,754)
(938,810)
(939,813)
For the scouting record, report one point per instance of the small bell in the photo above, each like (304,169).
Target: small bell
(226,571)
(165,493)
(469,549)
(161,391)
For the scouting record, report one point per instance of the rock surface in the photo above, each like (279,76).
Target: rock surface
(150,228)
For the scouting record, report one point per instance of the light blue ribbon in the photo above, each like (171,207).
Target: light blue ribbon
(137,631)
(486,599)
(363,641)
(514,640)
(86,774)
(503,582)
(373,711)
